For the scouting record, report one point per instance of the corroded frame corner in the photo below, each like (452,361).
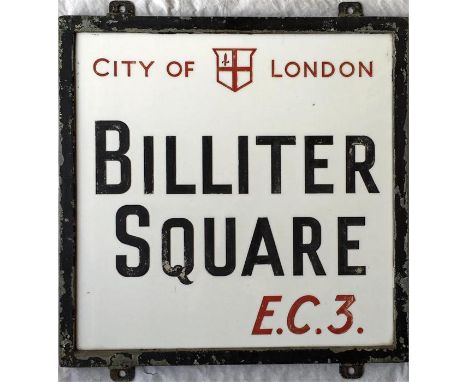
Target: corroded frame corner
(68,27)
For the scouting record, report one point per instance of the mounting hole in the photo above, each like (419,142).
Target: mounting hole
(351,371)
(122,373)
(350,10)
(122,9)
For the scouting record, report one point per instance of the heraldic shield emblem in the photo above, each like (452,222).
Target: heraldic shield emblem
(234,68)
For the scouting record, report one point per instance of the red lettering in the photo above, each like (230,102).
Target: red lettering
(350,73)
(178,66)
(146,68)
(307,69)
(296,72)
(330,65)
(101,74)
(129,64)
(273,74)
(362,68)
(293,311)
(348,301)
(264,312)
(188,68)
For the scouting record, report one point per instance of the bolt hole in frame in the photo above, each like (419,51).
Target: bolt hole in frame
(122,19)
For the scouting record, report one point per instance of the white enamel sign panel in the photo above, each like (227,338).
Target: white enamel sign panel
(234,191)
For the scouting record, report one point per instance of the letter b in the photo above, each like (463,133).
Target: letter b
(103,155)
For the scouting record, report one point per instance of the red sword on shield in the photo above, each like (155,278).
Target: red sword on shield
(241,62)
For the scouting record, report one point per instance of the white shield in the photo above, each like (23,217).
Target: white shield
(234,68)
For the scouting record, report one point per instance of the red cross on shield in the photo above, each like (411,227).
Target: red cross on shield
(234,68)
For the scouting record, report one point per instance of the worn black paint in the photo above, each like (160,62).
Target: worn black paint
(179,271)
(310,249)
(68,27)
(208,186)
(148,164)
(275,142)
(344,245)
(134,241)
(103,156)
(311,163)
(363,168)
(262,233)
(171,171)
(243,164)
(230,263)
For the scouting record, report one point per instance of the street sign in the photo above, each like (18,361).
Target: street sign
(233,190)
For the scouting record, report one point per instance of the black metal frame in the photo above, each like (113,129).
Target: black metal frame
(115,22)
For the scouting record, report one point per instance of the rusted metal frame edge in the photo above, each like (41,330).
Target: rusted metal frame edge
(68,27)
(67,196)
(155,24)
(401,190)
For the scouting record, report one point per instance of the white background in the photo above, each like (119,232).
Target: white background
(28,163)
(222,310)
